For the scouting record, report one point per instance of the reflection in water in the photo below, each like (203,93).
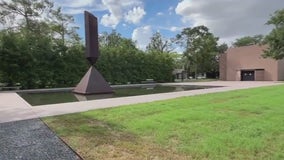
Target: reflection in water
(81,97)
(62,97)
(179,88)
(148,87)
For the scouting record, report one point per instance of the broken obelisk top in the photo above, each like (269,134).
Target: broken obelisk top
(92,82)
(91,36)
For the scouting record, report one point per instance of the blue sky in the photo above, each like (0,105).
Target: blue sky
(139,19)
(158,16)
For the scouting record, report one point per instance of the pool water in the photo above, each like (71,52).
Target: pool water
(35,99)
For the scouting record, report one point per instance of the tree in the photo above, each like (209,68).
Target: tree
(28,11)
(157,44)
(275,39)
(60,25)
(222,48)
(121,61)
(200,48)
(248,40)
(114,39)
(35,53)
(16,62)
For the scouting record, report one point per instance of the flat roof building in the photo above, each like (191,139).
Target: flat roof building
(247,64)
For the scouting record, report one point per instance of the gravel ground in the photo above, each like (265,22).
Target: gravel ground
(32,140)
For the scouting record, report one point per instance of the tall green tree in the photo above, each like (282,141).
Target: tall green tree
(27,12)
(42,50)
(63,28)
(222,48)
(249,40)
(121,61)
(275,39)
(200,48)
(158,44)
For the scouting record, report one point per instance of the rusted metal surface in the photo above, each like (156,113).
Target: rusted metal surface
(93,82)
(91,36)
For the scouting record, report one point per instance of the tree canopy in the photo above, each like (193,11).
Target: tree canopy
(158,44)
(275,39)
(121,61)
(248,40)
(42,49)
(33,51)
(200,49)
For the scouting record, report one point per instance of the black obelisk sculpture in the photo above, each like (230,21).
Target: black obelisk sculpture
(93,82)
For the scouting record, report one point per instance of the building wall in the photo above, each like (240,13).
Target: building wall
(259,75)
(222,67)
(249,57)
(281,70)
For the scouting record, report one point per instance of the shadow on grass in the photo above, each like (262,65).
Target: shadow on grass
(96,139)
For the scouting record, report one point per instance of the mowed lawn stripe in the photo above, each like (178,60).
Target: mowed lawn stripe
(242,124)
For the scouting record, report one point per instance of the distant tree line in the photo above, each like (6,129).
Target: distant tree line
(121,61)
(42,49)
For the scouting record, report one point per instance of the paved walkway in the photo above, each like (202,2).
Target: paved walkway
(13,107)
(32,140)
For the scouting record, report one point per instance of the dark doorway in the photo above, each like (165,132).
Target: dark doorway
(247,75)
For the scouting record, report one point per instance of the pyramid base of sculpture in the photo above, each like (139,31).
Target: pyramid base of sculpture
(93,83)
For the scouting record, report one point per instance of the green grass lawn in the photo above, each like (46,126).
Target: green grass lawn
(243,124)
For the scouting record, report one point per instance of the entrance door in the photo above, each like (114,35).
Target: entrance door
(247,75)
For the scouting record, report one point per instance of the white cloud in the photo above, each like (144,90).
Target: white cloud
(175,29)
(142,36)
(131,10)
(229,19)
(171,8)
(160,13)
(74,11)
(135,15)
(78,7)
(110,20)
(75,3)
(172,28)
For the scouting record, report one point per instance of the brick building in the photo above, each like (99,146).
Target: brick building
(246,64)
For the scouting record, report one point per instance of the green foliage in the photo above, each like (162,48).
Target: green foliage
(222,48)
(200,49)
(157,44)
(41,51)
(275,39)
(121,62)
(31,54)
(28,10)
(14,58)
(159,66)
(249,40)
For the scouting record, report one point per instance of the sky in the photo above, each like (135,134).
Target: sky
(139,19)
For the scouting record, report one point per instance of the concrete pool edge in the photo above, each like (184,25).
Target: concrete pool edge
(56,96)
(19,113)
